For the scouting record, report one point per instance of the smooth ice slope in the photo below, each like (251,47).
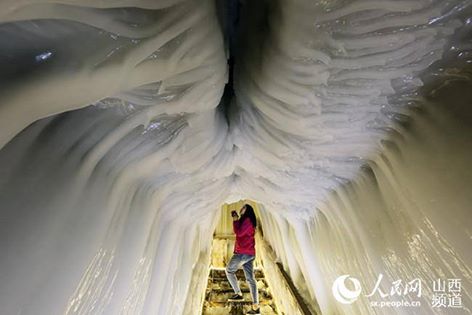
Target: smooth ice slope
(116,156)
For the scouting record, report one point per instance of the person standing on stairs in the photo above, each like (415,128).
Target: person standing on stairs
(244,226)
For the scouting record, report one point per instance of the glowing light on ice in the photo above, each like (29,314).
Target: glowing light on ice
(117,150)
(43,56)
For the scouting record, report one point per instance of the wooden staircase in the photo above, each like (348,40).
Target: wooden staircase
(219,290)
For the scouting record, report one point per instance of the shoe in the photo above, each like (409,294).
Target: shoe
(258,311)
(236,298)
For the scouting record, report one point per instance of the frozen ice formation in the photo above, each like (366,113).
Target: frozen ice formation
(118,149)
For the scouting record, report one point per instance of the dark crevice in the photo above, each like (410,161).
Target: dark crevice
(229,17)
(245,28)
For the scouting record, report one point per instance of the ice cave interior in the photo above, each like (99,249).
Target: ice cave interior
(128,128)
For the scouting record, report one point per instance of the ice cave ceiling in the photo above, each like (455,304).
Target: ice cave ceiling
(120,144)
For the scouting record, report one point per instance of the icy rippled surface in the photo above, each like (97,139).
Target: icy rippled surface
(117,151)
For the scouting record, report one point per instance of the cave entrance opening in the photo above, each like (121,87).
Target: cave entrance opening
(218,288)
(277,292)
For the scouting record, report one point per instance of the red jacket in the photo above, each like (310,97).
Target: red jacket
(245,242)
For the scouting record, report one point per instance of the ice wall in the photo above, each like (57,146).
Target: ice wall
(406,216)
(317,100)
(318,87)
(110,208)
(116,157)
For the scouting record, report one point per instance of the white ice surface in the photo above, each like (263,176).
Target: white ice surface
(116,156)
